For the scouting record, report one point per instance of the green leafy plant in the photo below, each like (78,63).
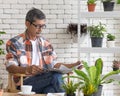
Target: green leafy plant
(110,37)
(1,43)
(1,53)
(91,1)
(97,30)
(70,87)
(91,78)
(118,1)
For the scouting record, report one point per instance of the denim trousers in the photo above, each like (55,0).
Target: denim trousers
(49,82)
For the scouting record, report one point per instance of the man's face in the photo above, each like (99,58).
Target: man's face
(35,28)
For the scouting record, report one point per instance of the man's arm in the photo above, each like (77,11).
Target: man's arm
(68,65)
(12,64)
(28,70)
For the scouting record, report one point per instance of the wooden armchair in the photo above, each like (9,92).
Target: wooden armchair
(11,84)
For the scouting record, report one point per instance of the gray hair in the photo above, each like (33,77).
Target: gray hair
(34,14)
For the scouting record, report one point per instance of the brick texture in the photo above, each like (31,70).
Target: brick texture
(59,14)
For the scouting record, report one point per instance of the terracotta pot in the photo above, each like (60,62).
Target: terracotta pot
(91,7)
(1,92)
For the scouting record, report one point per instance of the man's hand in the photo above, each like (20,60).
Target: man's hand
(78,62)
(33,70)
(79,65)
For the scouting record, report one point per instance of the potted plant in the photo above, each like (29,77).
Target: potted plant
(73,27)
(96,34)
(1,53)
(1,43)
(117,5)
(110,40)
(116,65)
(73,30)
(70,88)
(108,5)
(91,5)
(118,1)
(91,78)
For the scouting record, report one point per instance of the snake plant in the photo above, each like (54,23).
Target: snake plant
(92,77)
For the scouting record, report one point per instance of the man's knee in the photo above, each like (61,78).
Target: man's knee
(49,89)
(57,77)
(57,82)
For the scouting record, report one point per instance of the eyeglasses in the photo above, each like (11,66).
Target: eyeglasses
(39,26)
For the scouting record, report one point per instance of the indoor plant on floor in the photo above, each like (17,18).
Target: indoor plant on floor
(97,34)
(70,88)
(110,40)
(91,79)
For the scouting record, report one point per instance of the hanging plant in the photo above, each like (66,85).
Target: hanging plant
(73,28)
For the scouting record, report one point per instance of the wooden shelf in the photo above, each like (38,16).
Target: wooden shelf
(116,77)
(99,50)
(113,14)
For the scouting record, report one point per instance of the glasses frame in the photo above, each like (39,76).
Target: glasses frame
(39,26)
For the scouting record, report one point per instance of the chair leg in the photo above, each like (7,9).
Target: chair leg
(11,85)
(21,79)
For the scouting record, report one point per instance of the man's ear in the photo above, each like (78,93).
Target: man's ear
(27,23)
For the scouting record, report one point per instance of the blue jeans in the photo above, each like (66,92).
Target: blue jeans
(46,82)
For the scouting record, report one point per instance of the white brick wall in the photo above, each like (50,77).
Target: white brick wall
(59,14)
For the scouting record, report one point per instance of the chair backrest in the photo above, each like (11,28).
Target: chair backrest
(11,84)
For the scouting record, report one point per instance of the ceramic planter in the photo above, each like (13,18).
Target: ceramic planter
(98,93)
(108,6)
(96,41)
(110,44)
(117,7)
(91,7)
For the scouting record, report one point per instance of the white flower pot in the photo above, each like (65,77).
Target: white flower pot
(110,43)
(117,7)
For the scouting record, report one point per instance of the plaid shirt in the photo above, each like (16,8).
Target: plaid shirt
(21,49)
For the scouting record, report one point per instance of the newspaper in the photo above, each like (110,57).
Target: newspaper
(63,69)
